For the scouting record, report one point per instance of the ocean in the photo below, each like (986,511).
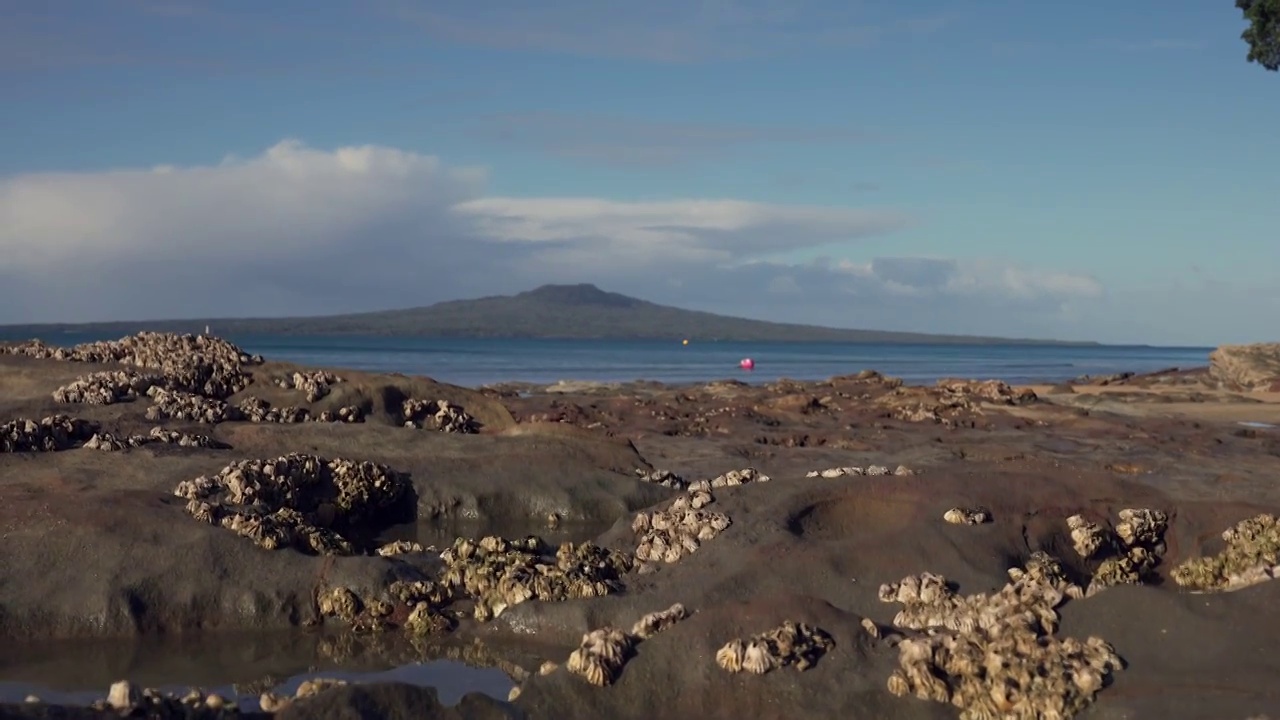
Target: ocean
(475,362)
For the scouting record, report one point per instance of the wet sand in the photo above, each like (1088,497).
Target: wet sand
(95,547)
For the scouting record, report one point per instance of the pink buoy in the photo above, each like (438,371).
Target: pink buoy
(747,364)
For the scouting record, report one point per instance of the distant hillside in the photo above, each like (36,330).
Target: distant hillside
(551,311)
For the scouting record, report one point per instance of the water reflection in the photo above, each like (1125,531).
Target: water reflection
(243,665)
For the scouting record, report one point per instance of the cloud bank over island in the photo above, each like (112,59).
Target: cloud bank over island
(302,230)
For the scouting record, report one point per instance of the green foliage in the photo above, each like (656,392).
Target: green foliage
(1263,33)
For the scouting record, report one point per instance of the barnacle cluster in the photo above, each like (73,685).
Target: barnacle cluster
(50,434)
(255,409)
(869,471)
(498,573)
(441,415)
(107,387)
(1252,555)
(600,656)
(1008,675)
(1126,555)
(995,655)
(200,364)
(967,516)
(951,402)
(734,478)
(111,442)
(178,405)
(400,547)
(182,439)
(665,478)
(796,644)
(655,622)
(668,535)
(602,653)
(300,501)
(315,384)
(418,602)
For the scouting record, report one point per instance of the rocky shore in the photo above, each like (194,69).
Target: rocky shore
(852,547)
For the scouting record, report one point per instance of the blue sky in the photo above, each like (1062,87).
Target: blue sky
(1094,170)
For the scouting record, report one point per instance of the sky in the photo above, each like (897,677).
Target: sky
(1092,170)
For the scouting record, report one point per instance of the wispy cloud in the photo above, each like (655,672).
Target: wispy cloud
(1152,44)
(667,31)
(217,38)
(1040,47)
(635,141)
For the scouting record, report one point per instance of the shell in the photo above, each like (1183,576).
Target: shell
(757,658)
(898,684)
(730,656)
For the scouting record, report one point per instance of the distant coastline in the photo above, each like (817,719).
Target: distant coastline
(562,312)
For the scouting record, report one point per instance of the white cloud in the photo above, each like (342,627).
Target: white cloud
(297,230)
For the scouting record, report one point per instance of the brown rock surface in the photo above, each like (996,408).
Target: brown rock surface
(1247,367)
(95,544)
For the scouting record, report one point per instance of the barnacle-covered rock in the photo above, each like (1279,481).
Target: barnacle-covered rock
(603,652)
(601,655)
(853,470)
(739,477)
(655,622)
(50,434)
(665,478)
(179,405)
(108,387)
(668,535)
(1088,538)
(1251,556)
(344,414)
(996,655)
(950,402)
(400,547)
(967,516)
(440,415)
(182,439)
(315,384)
(424,619)
(1128,555)
(299,501)
(1142,527)
(198,364)
(497,573)
(255,409)
(339,602)
(790,644)
(111,443)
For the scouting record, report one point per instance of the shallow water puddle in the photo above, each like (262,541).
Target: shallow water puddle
(238,667)
(1254,424)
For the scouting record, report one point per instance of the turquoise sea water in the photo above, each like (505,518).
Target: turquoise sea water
(473,362)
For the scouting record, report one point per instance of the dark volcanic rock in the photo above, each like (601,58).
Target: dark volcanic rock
(96,544)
